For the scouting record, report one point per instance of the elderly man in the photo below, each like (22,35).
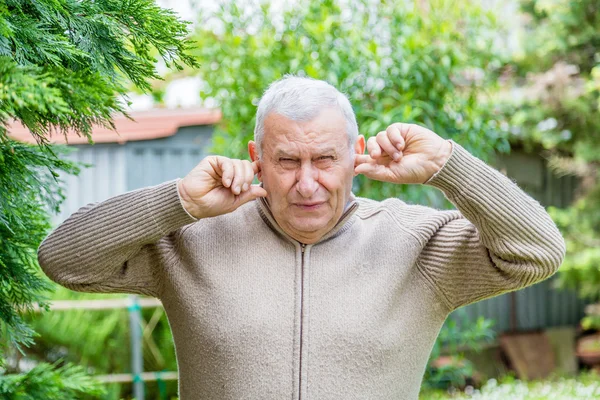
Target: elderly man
(294,288)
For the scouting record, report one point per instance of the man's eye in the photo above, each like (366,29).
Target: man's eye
(325,158)
(287,162)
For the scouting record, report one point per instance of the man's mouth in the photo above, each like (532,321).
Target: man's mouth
(309,206)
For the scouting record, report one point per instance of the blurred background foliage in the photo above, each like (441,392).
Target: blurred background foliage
(99,340)
(432,63)
(448,366)
(557,109)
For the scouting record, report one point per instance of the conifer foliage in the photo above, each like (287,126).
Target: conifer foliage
(64,65)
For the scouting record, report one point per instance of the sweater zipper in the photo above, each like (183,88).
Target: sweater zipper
(302,249)
(269,219)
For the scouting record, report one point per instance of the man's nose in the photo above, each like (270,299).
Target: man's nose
(306,180)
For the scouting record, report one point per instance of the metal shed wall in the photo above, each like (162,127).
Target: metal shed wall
(118,168)
(150,162)
(104,179)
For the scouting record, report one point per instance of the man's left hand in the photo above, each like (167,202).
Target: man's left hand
(403,153)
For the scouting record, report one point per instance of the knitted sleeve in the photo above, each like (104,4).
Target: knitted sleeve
(118,245)
(499,240)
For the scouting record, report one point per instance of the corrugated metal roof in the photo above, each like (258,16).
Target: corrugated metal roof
(151,124)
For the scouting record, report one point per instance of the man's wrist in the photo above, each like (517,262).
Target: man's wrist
(444,154)
(184,199)
(441,158)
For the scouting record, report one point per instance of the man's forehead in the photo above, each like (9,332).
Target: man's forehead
(282,149)
(294,141)
(323,131)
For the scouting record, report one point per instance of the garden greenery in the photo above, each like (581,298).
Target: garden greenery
(559,74)
(585,387)
(429,63)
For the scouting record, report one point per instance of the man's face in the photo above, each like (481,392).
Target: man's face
(307,170)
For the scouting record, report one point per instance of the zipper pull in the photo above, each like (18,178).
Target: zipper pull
(302,247)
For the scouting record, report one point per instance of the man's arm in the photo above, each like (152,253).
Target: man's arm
(121,245)
(116,246)
(500,240)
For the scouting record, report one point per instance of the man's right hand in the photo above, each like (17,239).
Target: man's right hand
(219,185)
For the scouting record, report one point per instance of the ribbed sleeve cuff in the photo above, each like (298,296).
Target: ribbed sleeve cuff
(165,208)
(460,171)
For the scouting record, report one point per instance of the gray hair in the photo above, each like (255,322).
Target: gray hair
(302,99)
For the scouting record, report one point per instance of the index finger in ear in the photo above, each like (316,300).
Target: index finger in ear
(256,167)
(362,159)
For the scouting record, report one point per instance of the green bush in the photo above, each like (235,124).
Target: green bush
(64,66)
(397,61)
(558,74)
(98,341)
(457,335)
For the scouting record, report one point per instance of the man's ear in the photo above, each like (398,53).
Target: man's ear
(253,152)
(359,146)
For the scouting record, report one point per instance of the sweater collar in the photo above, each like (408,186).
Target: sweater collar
(344,223)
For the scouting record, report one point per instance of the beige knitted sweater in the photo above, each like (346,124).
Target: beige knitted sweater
(256,315)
